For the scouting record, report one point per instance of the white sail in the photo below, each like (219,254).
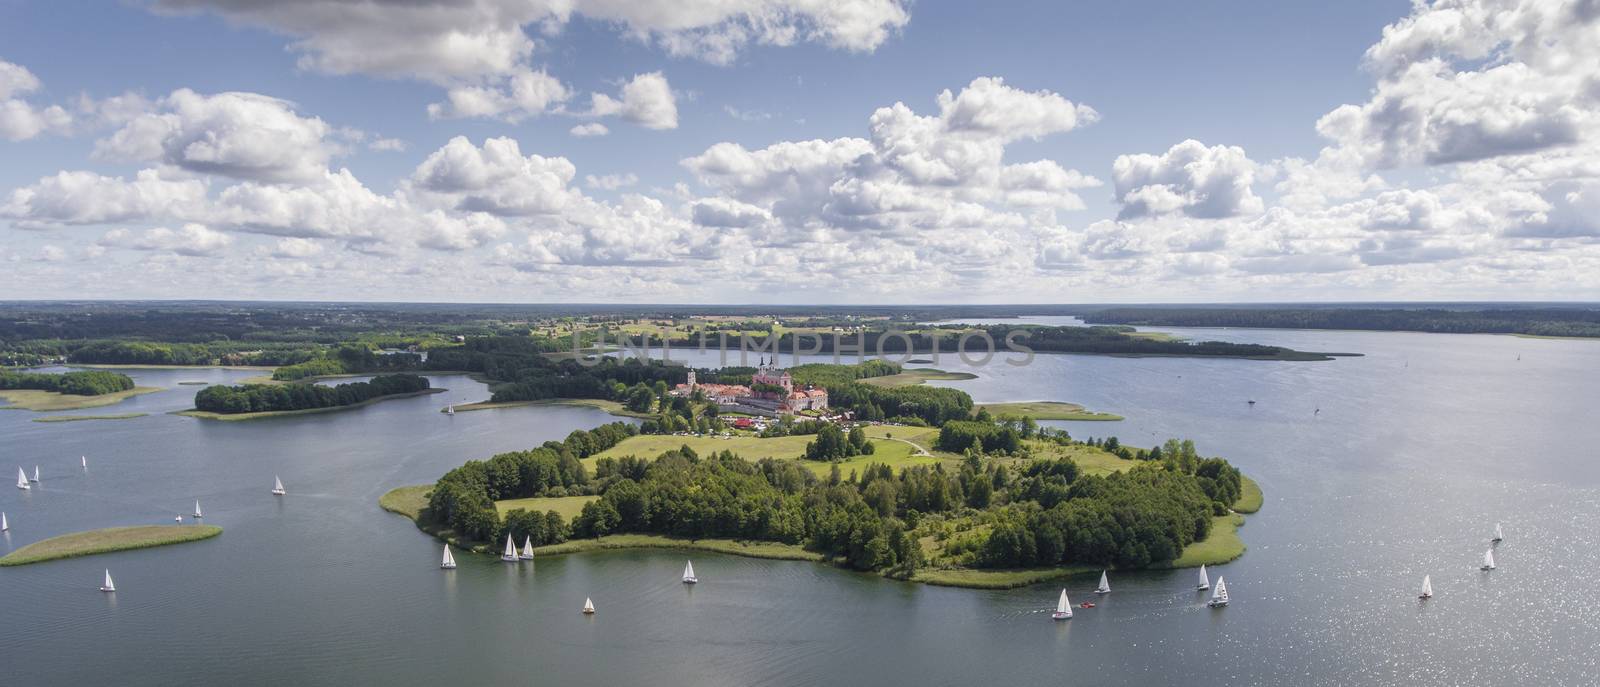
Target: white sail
(35,473)
(108,586)
(1105,584)
(688,572)
(449,560)
(197,513)
(1488,559)
(277,486)
(527,548)
(450,409)
(1427,587)
(1204,583)
(588,605)
(510,553)
(4,526)
(1499,534)
(1063,607)
(1219,596)
(22,479)
(83,460)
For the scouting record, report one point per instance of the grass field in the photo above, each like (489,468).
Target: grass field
(896,454)
(237,417)
(996,579)
(1090,460)
(1046,410)
(108,540)
(568,506)
(917,376)
(753,549)
(1250,496)
(612,407)
(81,418)
(751,448)
(407,501)
(1220,546)
(34,399)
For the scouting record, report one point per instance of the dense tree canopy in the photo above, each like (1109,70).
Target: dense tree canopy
(87,383)
(257,398)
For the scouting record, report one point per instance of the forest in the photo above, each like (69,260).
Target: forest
(259,398)
(1571,321)
(89,383)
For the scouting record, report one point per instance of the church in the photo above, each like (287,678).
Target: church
(787,399)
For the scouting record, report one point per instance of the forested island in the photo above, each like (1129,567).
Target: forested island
(259,399)
(66,390)
(996,502)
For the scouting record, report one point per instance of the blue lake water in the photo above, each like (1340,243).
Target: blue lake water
(1421,445)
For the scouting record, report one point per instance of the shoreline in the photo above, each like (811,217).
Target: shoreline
(1047,410)
(107,540)
(1221,545)
(240,417)
(40,401)
(612,407)
(82,418)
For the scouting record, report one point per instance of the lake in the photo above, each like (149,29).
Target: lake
(1419,447)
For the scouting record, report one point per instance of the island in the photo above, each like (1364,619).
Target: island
(107,540)
(256,401)
(46,391)
(949,494)
(1046,410)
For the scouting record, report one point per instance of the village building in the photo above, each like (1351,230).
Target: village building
(771,389)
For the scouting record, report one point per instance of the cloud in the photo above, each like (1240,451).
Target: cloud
(589,130)
(19,119)
(239,135)
(646,100)
(746,115)
(87,198)
(512,98)
(388,145)
(496,178)
(195,240)
(914,173)
(451,40)
(1464,80)
(610,182)
(1190,179)
(294,247)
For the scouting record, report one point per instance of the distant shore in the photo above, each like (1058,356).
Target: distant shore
(82,418)
(611,407)
(1047,410)
(237,417)
(107,540)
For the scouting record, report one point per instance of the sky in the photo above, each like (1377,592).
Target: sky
(800,151)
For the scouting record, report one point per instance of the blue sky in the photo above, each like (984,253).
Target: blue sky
(1485,195)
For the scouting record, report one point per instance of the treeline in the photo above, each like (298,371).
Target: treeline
(141,353)
(1093,340)
(90,383)
(1583,322)
(833,444)
(960,436)
(259,398)
(463,499)
(680,494)
(348,360)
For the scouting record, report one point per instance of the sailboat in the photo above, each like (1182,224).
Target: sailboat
(688,573)
(588,606)
(108,586)
(1205,582)
(527,549)
(1488,560)
(4,526)
(450,409)
(35,477)
(1105,584)
(1219,596)
(1063,607)
(197,514)
(1499,534)
(277,486)
(22,479)
(510,554)
(449,562)
(84,461)
(1427,587)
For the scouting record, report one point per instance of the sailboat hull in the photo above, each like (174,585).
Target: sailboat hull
(690,580)
(1060,616)
(1216,604)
